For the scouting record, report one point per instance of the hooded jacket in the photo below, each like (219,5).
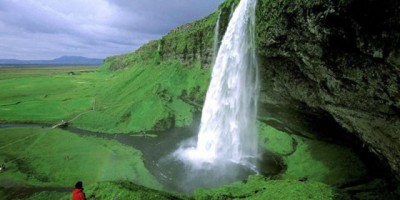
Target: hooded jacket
(78,194)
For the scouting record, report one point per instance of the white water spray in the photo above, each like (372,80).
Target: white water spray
(228,131)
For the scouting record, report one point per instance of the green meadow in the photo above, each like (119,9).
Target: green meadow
(147,95)
(138,98)
(46,95)
(49,158)
(54,157)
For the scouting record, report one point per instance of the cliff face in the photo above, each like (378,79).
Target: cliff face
(325,62)
(339,58)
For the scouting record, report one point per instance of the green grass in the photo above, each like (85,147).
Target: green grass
(274,140)
(109,190)
(146,97)
(315,160)
(38,95)
(255,188)
(52,157)
(258,188)
(48,195)
(127,190)
(18,72)
(328,163)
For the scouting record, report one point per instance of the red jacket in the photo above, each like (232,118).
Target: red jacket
(78,194)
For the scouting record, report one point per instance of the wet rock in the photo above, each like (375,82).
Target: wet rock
(335,57)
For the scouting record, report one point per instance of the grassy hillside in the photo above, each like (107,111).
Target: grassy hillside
(44,157)
(147,96)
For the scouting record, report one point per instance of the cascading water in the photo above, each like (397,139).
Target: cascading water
(216,39)
(226,145)
(227,130)
(227,140)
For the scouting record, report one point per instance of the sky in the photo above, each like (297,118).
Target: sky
(47,29)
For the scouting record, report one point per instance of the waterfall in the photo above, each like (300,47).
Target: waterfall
(228,131)
(232,9)
(216,39)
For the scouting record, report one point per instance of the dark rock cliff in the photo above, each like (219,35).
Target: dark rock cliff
(340,59)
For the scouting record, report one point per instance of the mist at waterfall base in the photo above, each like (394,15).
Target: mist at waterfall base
(226,147)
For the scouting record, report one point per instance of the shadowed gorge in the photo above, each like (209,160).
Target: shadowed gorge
(273,99)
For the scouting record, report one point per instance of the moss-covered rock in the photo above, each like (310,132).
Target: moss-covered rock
(311,159)
(328,163)
(337,57)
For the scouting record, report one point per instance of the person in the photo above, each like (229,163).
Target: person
(77,193)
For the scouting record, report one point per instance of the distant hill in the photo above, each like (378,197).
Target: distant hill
(64,60)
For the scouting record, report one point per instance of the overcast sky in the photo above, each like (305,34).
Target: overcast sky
(46,29)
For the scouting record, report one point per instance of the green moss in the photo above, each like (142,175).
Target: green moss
(274,140)
(312,159)
(325,162)
(257,187)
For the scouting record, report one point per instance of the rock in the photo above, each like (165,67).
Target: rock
(335,57)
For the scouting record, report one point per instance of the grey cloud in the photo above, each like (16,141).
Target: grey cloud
(32,18)
(159,16)
(44,29)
